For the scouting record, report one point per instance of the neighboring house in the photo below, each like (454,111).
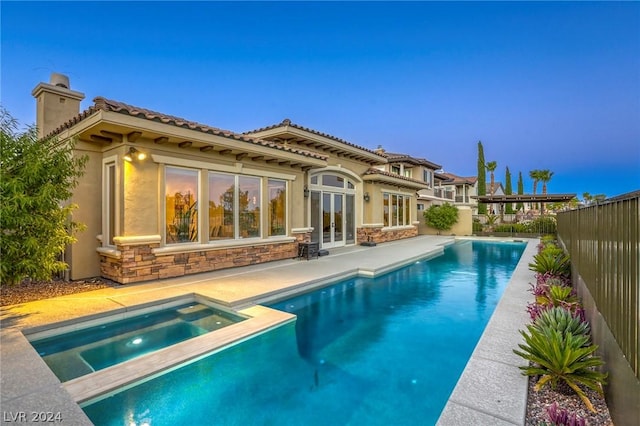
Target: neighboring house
(163,196)
(414,168)
(458,190)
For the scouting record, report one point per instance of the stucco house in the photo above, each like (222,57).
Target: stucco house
(460,190)
(163,196)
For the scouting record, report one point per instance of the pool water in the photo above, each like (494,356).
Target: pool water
(81,352)
(381,351)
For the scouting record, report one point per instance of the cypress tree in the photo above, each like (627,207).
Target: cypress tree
(482,178)
(520,206)
(508,190)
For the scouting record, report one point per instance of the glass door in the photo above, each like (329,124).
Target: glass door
(332,220)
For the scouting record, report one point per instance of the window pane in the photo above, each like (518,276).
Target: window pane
(315,216)
(249,206)
(350,185)
(277,206)
(394,210)
(221,206)
(385,213)
(111,203)
(332,180)
(350,215)
(400,210)
(407,211)
(181,197)
(314,180)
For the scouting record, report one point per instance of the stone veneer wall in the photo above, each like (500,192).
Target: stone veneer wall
(380,235)
(138,262)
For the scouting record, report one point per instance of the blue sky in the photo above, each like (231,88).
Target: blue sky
(543,85)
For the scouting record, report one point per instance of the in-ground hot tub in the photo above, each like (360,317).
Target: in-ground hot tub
(86,346)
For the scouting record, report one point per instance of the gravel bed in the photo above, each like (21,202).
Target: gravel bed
(29,291)
(567,399)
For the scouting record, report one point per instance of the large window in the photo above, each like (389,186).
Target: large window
(249,206)
(277,206)
(396,210)
(428,177)
(181,205)
(232,206)
(221,206)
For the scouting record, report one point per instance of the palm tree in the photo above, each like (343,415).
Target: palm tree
(544,176)
(535,175)
(491,167)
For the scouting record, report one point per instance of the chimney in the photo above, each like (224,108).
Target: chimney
(56,103)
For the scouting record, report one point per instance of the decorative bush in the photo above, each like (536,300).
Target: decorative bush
(557,295)
(558,357)
(558,265)
(511,228)
(543,225)
(559,417)
(561,320)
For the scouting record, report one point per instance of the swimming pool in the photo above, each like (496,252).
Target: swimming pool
(91,348)
(387,350)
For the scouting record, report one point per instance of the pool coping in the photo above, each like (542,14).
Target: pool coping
(39,390)
(98,385)
(491,390)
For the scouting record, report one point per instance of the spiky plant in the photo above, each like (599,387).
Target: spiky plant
(562,320)
(556,264)
(561,417)
(557,295)
(557,357)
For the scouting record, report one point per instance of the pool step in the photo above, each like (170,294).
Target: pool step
(194,312)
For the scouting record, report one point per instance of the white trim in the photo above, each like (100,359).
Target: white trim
(301,230)
(372,225)
(137,240)
(397,228)
(396,192)
(220,244)
(106,163)
(109,252)
(337,169)
(237,168)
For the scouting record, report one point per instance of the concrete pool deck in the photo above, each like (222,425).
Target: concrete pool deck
(491,390)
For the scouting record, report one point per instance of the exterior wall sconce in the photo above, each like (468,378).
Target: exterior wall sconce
(366,197)
(134,154)
(306,192)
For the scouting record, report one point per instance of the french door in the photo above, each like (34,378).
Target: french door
(332,219)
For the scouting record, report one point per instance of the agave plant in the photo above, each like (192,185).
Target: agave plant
(557,295)
(556,264)
(561,357)
(561,320)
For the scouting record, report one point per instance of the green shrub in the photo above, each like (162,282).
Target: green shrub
(558,357)
(561,320)
(551,250)
(441,217)
(476,226)
(543,225)
(510,227)
(544,262)
(548,239)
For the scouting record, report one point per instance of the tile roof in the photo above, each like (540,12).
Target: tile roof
(393,157)
(287,123)
(451,178)
(104,104)
(374,171)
